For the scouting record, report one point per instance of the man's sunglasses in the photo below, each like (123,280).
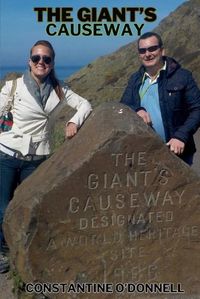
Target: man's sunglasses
(150,49)
(37,58)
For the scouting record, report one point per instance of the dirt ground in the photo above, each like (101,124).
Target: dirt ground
(6,287)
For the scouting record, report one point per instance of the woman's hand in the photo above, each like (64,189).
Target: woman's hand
(70,130)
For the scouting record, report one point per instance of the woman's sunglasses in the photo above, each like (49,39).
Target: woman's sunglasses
(37,58)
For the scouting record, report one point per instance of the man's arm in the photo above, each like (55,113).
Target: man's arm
(128,95)
(130,98)
(192,100)
(192,122)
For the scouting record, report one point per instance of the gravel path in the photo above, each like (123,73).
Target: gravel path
(6,287)
(196,165)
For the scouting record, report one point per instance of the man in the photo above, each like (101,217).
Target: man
(165,96)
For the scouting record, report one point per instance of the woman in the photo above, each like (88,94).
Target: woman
(37,99)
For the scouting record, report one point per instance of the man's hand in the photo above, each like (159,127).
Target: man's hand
(70,130)
(176,146)
(145,116)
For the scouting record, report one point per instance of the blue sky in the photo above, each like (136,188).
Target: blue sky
(19,30)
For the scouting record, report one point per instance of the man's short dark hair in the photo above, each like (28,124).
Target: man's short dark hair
(150,34)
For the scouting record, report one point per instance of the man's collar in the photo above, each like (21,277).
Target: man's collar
(164,67)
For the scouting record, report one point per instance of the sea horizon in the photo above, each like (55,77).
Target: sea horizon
(62,72)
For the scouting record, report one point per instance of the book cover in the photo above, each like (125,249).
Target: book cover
(96,52)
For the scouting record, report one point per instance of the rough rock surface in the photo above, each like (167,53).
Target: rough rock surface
(111,205)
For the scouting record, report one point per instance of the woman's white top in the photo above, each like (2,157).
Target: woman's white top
(31,123)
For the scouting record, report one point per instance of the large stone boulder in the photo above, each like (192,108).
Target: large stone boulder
(112,205)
